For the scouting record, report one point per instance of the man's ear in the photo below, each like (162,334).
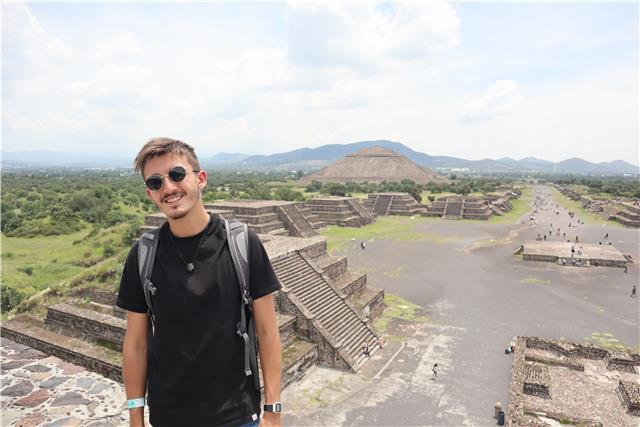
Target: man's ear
(202,179)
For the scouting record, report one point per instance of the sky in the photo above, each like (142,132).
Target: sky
(471,80)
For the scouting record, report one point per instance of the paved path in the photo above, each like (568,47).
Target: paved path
(40,390)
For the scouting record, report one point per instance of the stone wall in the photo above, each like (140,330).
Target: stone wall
(104,368)
(536,380)
(297,370)
(629,394)
(515,411)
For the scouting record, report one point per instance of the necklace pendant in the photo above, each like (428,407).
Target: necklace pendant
(190,267)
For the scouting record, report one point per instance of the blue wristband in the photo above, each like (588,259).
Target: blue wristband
(135,403)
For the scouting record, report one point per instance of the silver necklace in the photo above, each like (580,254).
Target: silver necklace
(190,265)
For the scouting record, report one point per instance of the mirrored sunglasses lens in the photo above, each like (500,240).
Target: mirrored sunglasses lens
(177,174)
(154,182)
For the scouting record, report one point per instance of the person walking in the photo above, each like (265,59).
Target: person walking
(190,363)
(633,292)
(626,267)
(434,375)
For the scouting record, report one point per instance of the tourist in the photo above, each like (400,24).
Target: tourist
(633,292)
(363,245)
(606,236)
(380,342)
(573,251)
(365,349)
(626,267)
(435,371)
(577,240)
(184,361)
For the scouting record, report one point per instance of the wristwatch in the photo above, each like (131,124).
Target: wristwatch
(274,407)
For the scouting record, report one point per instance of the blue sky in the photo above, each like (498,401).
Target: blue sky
(471,80)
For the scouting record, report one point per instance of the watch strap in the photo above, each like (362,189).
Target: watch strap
(273,407)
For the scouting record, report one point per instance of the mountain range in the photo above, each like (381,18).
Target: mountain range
(309,159)
(315,158)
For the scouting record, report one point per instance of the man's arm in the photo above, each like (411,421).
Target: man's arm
(264,313)
(134,362)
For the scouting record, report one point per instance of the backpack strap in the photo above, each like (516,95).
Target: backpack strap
(238,240)
(147,247)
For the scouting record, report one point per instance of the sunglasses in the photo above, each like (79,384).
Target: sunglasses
(155,182)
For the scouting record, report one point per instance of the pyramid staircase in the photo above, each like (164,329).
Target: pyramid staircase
(453,209)
(393,204)
(331,317)
(382,204)
(341,211)
(296,223)
(629,215)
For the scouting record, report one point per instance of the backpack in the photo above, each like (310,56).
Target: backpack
(238,241)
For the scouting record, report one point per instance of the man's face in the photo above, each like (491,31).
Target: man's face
(175,199)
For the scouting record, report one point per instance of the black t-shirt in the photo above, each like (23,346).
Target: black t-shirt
(195,373)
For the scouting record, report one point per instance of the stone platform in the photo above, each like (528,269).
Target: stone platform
(557,252)
(555,381)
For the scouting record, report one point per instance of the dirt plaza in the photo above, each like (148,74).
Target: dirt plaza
(477,296)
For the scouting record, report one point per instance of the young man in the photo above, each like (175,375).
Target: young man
(192,364)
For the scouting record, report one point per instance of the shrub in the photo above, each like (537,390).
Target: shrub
(108,250)
(26,270)
(10,297)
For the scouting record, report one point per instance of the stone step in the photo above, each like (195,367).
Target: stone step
(332,266)
(267,227)
(335,320)
(351,282)
(342,320)
(86,324)
(369,298)
(104,329)
(315,294)
(323,300)
(289,264)
(297,357)
(280,232)
(304,285)
(31,332)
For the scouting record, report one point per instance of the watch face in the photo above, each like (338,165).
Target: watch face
(278,407)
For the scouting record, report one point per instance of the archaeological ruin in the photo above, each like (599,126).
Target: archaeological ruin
(324,309)
(380,204)
(337,210)
(557,382)
(374,164)
(582,255)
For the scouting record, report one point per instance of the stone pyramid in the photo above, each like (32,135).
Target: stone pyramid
(374,164)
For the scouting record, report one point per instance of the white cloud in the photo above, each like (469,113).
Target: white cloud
(366,35)
(119,47)
(498,99)
(27,48)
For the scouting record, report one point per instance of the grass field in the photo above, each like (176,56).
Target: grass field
(586,216)
(33,264)
(520,207)
(396,228)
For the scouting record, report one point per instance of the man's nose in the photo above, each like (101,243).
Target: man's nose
(169,186)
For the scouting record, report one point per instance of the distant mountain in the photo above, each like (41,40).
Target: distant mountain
(310,159)
(315,158)
(46,158)
(225,158)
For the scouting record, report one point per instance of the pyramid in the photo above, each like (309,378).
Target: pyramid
(374,164)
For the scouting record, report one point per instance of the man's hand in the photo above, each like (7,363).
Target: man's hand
(270,419)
